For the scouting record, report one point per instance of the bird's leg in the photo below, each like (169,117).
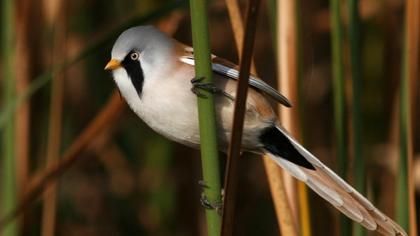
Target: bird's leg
(205,202)
(197,84)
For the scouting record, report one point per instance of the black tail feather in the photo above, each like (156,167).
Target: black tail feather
(278,144)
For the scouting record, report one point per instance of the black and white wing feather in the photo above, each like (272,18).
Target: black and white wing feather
(230,70)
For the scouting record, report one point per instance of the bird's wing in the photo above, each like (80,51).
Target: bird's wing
(335,190)
(230,70)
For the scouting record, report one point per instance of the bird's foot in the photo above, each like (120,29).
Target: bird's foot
(206,203)
(197,84)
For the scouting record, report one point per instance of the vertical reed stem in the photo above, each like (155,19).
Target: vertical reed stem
(355,66)
(339,99)
(404,117)
(290,74)
(304,204)
(238,120)
(406,214)
(290,66)
(238,28)
(273,172)
(58,22)
(287,83)
(23,129)
(7,173)
(208,135)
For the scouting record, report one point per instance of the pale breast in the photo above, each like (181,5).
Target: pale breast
(169,107)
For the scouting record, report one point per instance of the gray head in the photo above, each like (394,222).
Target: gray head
(147,40)
(151,47)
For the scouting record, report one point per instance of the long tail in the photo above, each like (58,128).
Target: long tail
(295,159)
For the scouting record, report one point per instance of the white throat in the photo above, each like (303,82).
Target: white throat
(127,89)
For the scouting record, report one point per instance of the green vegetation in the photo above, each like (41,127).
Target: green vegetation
(207,118)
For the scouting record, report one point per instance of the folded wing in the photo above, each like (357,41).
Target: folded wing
(230,70)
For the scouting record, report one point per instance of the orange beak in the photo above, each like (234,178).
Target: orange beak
(113,64)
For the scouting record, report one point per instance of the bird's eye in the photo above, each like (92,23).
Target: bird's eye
(134,56)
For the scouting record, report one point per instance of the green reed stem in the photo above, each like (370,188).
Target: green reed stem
(7,175)
(402,200)
(355,66)
(206,112)
(339,99)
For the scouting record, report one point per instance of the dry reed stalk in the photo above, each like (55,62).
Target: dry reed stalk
(57,19)
(274,173)
(288,75)
(285,218)
(412,47)
(22,135)
(287,84)
(234,151)
(238,28)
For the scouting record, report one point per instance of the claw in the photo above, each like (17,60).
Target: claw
(209,87)
(197,79)
(197,92)
(197,85)
(202,184)
(205,202)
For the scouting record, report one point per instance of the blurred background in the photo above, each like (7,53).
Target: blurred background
(124,179)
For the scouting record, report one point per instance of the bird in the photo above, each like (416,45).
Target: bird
(154,74)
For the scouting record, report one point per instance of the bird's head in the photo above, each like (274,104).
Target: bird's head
(138,53)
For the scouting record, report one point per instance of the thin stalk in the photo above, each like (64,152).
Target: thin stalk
(284,214)
(273,172)
(238,120)
(272,16)
(23,129)
(7,176)
(54,137)
(238,28)
(289,71)
(406,214)
(402,203)
(276,176)
(305,214)
(354,40)
(286,76)
(413,48)
(206,114)
(339,100)
(304,205)
(58,22)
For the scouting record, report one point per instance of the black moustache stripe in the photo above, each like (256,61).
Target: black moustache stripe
(135,72)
